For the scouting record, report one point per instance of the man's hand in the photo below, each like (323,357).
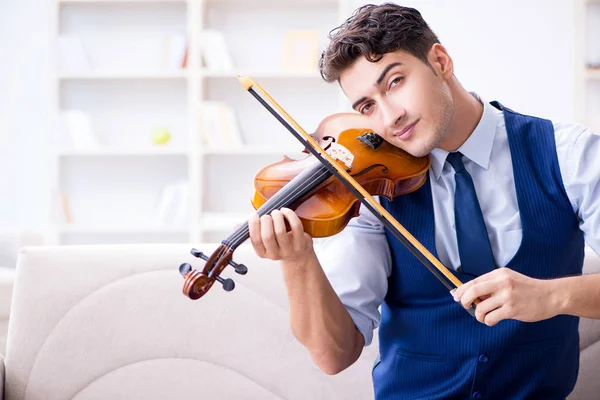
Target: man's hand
(507,294)
(270,238)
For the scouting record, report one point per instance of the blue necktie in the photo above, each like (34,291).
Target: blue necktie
(473,242)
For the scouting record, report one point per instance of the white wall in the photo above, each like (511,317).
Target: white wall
(24,113)
(517,51)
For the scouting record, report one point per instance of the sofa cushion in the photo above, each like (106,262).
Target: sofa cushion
(588,384)
(111,322)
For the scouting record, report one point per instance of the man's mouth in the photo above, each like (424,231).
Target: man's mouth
(406,132)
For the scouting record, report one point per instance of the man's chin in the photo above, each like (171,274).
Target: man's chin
(417,151)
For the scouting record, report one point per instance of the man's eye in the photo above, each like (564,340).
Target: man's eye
(365,108)
(396,81)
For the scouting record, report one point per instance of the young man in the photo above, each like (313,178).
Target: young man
(508,203)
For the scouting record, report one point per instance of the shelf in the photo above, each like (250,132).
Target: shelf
(253,150)
(117,1)
(122,153)
(103,75)
(295,3)
(128,92)
(74,229)
(593,73)
(222,222)
(262,74)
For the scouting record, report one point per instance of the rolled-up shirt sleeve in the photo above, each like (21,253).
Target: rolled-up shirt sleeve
(357,262)
(577,149)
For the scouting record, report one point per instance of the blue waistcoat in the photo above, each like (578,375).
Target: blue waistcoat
(431,348)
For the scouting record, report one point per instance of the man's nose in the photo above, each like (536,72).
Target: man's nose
(392,116)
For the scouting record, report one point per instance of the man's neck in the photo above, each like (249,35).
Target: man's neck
(467,114)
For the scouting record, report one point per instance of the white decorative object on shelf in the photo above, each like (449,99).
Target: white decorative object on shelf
(79,130)
(219,126)
(593,35)
(215,52)
(173,205)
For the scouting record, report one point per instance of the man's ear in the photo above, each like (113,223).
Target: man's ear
(441,61)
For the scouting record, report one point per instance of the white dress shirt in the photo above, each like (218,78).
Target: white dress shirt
(357,261)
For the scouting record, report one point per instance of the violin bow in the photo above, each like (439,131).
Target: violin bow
(447,278)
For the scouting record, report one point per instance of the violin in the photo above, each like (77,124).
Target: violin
(322,202)
(347,164)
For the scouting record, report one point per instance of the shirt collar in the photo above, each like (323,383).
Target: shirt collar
(478,147)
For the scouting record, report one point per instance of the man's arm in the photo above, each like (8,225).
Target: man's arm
(507,294)
(335,291)
(319,320)
(578,295)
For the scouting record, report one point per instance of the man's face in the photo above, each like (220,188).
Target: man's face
(405,101)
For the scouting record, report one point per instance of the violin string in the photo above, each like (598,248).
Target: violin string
(284,200)
(302,187)
(243,231)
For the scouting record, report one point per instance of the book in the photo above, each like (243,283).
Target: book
(215,53)
(219,126)
(174,53)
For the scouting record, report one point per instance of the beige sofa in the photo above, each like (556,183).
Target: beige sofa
(111,322)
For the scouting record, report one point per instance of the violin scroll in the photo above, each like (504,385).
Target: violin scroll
(197,283)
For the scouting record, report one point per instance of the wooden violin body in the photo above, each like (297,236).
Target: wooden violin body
(382,169)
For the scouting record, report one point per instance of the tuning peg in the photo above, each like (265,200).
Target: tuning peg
(228,284)
(239,268)
(184,268)
(199,254)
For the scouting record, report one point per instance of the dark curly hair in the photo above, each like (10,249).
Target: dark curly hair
(372,31)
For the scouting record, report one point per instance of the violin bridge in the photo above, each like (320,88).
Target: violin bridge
(339,152)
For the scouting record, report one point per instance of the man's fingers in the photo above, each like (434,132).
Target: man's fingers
(497,315)
(268,235)
(460,291)
(255,236)
(280,230)
(297,230)
(486,306)
(480,289)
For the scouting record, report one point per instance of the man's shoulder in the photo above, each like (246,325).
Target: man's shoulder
(569,129)
(565,132)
